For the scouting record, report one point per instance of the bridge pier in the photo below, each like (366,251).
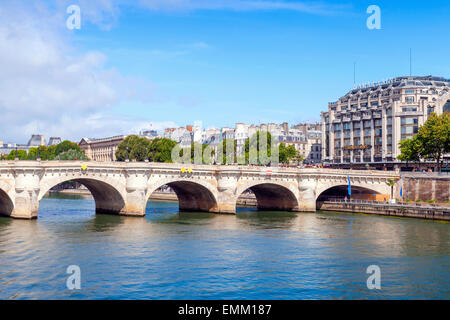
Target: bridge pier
(26,200)
(135,194)
(307,196)
(26,204)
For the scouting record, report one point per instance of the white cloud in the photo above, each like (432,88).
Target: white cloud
(47,87)
(242,5)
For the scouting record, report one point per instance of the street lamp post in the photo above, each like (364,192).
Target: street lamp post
(17,156)
(128,156)
(38,158)
(147,155)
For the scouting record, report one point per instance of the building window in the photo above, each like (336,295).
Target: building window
(409,91)
(409,99)
(409,121)
(447,106)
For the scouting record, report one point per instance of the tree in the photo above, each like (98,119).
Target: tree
(71,154)
(253,148)
(21,154)
(160,150)
(43,153)
(229,153)
(136,148)
(431,142)
(198,158)
(434,137)
(410,150)
(66,146)
(391,183)
(50,153)
(288,153)
(32,154)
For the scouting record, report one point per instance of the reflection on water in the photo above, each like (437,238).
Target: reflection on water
(253,255)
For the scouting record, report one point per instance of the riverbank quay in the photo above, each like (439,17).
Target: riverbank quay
(425,211)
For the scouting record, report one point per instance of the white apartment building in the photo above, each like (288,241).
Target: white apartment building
(368,123)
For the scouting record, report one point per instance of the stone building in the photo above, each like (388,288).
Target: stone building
(101,149)
(367,124)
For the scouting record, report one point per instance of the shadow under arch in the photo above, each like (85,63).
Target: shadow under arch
(6,204)
(341,191)
(273,197)
(192,196)
(108,199)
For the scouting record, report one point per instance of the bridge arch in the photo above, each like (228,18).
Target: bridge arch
(107,196)
(193,195)
(6,204)
(272,196)
(340,191)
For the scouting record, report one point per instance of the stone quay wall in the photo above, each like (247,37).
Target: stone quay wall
(423,186)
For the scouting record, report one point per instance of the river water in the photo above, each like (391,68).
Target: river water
(253,255)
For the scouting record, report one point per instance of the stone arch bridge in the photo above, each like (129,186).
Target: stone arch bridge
(124,187)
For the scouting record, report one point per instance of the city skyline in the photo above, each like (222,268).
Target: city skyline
(264,62)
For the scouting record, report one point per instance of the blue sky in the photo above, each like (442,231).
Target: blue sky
(222,62)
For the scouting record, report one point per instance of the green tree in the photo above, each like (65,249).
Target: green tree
(410,150)
(431,142)
(434,137)
(229,156)
(201,151)
(391,183)
(288,153)
(32,154)
(66,146)
(21,154)
(71,154)
(50,153)
(160,150)
(136,147)
(254,148)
